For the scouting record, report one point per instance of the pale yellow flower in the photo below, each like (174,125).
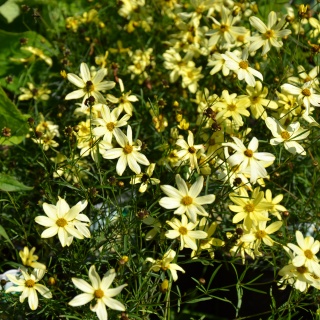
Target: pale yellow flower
(29,259)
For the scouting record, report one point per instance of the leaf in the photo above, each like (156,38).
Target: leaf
(10,10)
(5,235)
(9,184)
(198,300)
(13,119)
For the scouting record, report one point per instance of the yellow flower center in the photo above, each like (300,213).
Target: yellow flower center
(183,230)
(61,222)
(98,293)
(29,283)
(240,38)
(186,200)
(269,34)
(224,28)
(89,86)
(302,269)
(243,64)
(260,234)
(248,153)
(127,149)
(307,79)
(255,99)
(308,253)
(192,150)
(110,126)
(231,107)
(249,207)
(306,92)
(285,135)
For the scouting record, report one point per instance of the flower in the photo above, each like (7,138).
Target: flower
(89,85)
(165,264)
(185,231)
(241,67)
(189,151)
(29,259)
(269,33)
(261,232)
(65,222)
(231,106)
(128,154)
(108,125)
(305,94)
(252,209)
(209,242)
(28,286)
(5,283)
(274,202)
(145,178)
(305,253)
(250,161)
(258,102)
(124,102)
(36,93)
(100,291)
(186,200)
(288,136)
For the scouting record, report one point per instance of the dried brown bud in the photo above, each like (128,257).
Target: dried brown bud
(6,132)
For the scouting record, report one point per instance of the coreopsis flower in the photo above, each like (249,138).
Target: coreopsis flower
(64,221)
(128,154)
(261,233)
(276,207)
(29,259)
(29,286)
(250,161)
(189,151)
(190,78)
(36,93)
(270,33)
(108,125)
(46,140)
(209,242)
(232,106)
(186,200)
(288,136)
(311,76)
(258,102)
(5,283)
(145,178)
(174,62)
(305,94)
(219,64)
(89,85)
(100,291)
(305,253)
(298,277)
(165,264)
(125,101)
(250,209)
(184,230)
(225,29)
(241,67)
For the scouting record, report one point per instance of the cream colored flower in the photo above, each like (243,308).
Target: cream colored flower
(288,136)
(269,33)
(250,161)
(251,209)
(305,94)
(100,291)
(305,253)
(29,259)
(125,101)
(89,85)
(29,286)
(145,178)
(241,67)
(186,200)
(189,151)
(65,221)
(276,207)
(128,154)
(36,93)
(185,232)
(165,264)
(108,125)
